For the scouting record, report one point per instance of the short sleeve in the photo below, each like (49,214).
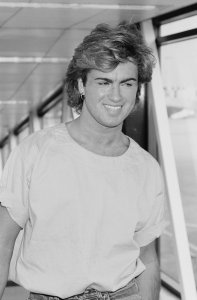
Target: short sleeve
(151,208)
(14,188)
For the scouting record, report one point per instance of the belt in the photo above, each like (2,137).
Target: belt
(91,294)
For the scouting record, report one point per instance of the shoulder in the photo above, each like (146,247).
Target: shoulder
(142,157)
(146,167)
(32,146)
(39,139)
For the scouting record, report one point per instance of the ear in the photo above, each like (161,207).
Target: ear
(80,86)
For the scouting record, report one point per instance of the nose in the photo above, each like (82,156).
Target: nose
(115,93)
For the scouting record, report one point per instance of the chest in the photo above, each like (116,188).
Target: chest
(65,192)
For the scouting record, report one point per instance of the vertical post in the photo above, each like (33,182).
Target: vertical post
(1,162)
(12,141)
(187,281)
(8,146)
(34,122)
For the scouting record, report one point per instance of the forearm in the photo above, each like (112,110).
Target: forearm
(5,257)
(149,281)
(8,233)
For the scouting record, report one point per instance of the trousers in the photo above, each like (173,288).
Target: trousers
(128,292)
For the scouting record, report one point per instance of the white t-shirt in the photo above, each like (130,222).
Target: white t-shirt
(85,216)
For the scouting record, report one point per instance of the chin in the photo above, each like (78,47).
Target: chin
(112,124)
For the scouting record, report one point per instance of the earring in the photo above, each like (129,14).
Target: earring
(82,97)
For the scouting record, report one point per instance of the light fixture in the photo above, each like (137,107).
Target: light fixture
(18,59)
(76,6)
(13,102)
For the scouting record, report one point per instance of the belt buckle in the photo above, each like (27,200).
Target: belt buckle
(91,294)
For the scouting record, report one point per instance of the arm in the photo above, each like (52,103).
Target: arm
(8,233)
(149,280)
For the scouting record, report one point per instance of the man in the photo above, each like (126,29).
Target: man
(89,199)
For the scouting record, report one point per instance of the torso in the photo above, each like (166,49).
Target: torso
(86,210)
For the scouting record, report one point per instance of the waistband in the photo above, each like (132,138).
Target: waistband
(124,293)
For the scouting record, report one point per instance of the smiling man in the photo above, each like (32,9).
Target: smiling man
(89,198)
(111,96)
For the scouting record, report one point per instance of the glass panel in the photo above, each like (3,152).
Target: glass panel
(1,162)
(53,116)
(178,26)
(179,72)
(5,152)
(24,133)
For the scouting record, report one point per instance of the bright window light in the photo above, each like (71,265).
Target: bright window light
(178,26)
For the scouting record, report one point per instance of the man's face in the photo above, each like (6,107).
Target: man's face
(109,97)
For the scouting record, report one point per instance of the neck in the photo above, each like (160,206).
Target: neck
(108,142)
(98,135)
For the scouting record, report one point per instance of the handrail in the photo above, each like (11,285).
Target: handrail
(177,14)
(177,37)
(50,100)
(187,281)
(23,124)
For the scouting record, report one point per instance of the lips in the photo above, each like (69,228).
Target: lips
(113,107)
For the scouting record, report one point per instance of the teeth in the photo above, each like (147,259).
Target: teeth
(113,107)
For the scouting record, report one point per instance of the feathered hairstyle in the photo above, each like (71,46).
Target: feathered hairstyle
(103,49)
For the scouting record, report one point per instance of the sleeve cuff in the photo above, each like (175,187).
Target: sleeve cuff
(148,235)
(6,200)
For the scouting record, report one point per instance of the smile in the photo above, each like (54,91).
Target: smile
(113,107)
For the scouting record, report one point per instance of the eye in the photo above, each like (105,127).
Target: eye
(128,84)
(103,83)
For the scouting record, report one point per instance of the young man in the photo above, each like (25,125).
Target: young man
(89,199)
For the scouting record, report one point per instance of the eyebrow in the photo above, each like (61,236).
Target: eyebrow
(122,81)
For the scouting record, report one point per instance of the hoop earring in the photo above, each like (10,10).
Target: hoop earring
(82,97)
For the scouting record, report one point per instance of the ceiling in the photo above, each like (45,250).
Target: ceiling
(37,39)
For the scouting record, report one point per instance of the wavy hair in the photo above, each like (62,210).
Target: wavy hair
(103,49)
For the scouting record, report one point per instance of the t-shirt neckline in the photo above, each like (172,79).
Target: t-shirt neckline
(85,151)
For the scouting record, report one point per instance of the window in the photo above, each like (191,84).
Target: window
(24,133)
(179,72)
(53,116)
(178,26)
(5,151)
